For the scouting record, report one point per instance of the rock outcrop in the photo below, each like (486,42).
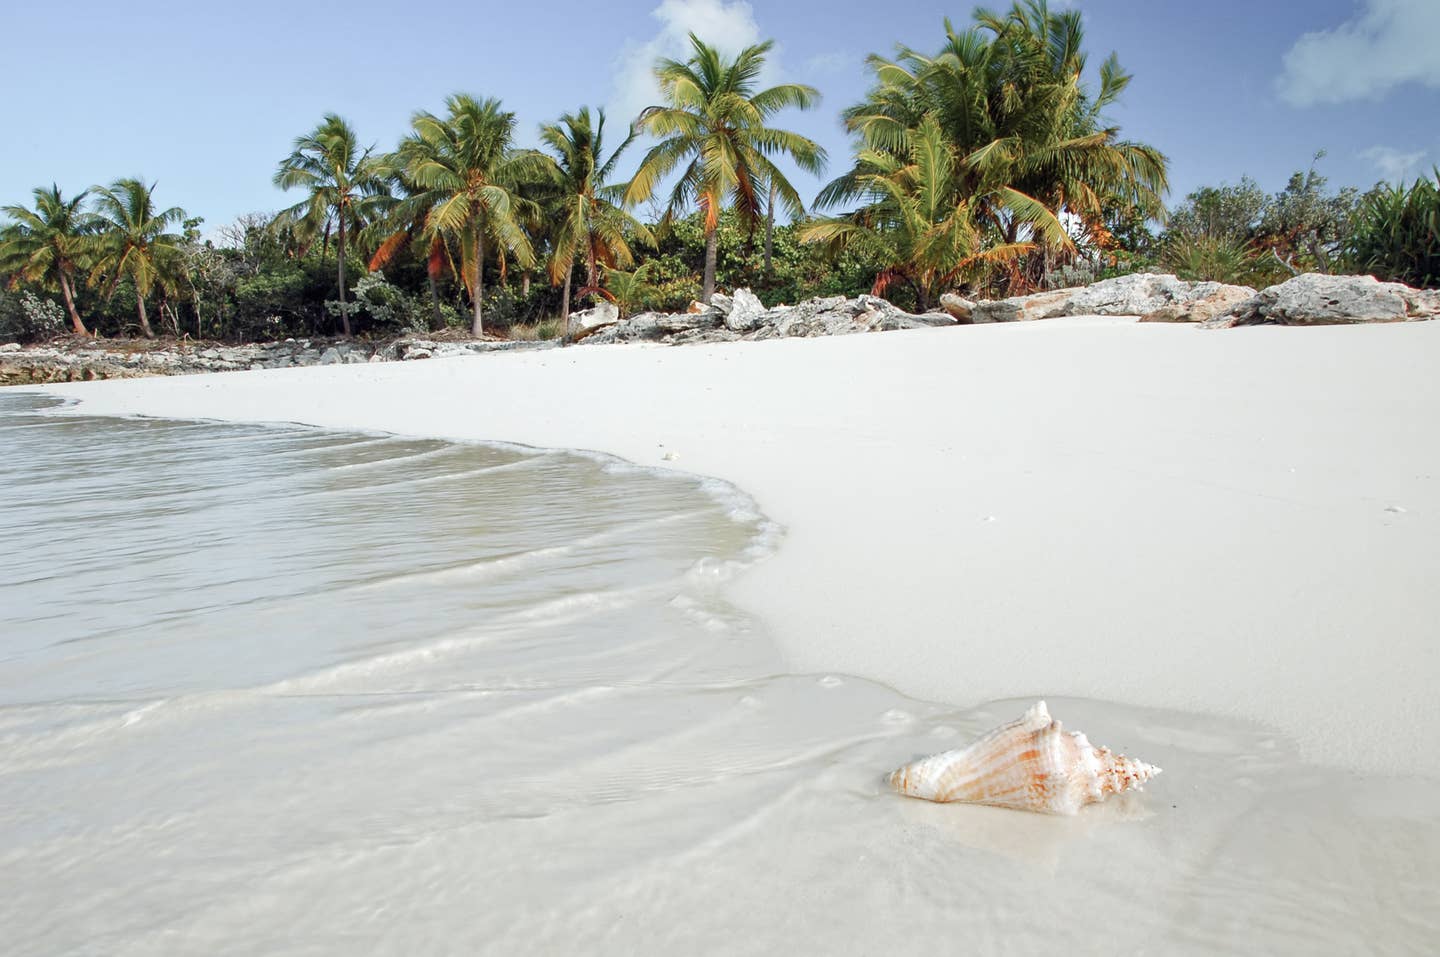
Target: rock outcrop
(603,313)
(743,317)
(87,360)
(1315,299)
(958,306)
(1155,297)
(1040,305)
(746,312)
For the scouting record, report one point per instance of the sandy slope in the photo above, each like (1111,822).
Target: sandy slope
(1244,523)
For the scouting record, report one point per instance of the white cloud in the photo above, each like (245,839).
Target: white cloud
(728,26)
(1387,44)
(1393,165)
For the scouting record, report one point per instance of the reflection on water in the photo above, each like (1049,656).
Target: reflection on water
(284,691)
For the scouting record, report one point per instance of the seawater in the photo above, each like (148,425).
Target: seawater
(276,690)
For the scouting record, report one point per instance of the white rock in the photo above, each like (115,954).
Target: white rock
(603,313)
(958,306)
(1145,294)
(1317,299)
(746,310)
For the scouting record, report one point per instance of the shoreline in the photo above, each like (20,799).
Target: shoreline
(1013,486)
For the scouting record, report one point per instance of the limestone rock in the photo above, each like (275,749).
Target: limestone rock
(743,316)
(728,318)
(1156,297)
(1318,299)
(936,319)
(605,336)
(1207,304)
(891,322)
(1146,294)
(603,313)
(746,311)
(960,308)
(1040,305)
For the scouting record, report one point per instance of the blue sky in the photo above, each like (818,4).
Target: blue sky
(206,98)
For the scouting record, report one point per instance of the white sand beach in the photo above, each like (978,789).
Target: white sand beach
(1220,547)
(1245,522)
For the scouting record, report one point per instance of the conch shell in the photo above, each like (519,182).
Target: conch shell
(1030,764)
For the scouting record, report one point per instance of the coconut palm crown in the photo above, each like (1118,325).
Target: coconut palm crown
(590,223)
(46,244)
(467,180)
(1025,131)
(713,128)
(132,241)
(345,185)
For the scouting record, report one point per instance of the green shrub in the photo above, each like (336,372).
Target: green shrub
(1224,258)
(1397,234)
(382,308)
(535,331)
(29,318)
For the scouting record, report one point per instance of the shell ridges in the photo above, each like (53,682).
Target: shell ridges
(1030,764)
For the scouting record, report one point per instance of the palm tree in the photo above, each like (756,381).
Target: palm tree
(46,244)
(713,124)
(346,187)
(133,241)
(589,223)
(928,232)
(1007,95)
(627,289)
(403,224)
(467,178)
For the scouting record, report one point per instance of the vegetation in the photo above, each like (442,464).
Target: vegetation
(713,128)
(987,166)
(131,242)
(1238,234)
(968,160)
(1396,233)
(469,180)
(590,226)
(45,245)
(629,290)
(346,190)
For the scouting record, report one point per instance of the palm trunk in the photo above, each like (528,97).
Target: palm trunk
(340,276)
(922,300)
(711,248)
(477,324)
(80,329)
(525,284)
(145,329)
(769,229)
(565,308)
(435,301)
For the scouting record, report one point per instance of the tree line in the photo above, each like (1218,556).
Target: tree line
(987,166)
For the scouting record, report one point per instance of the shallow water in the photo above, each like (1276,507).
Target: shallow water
(274,690)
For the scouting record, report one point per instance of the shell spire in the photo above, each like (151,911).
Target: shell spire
(1032,764)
